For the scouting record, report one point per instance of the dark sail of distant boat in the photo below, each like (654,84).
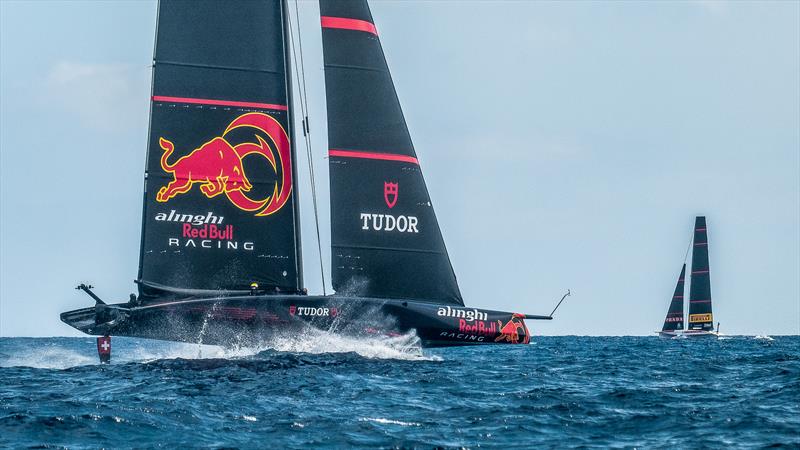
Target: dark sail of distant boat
(700,317)
(674,319)
(700,321)
(221,255)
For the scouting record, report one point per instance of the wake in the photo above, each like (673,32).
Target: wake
(67,353)
(53,357)
(314,341)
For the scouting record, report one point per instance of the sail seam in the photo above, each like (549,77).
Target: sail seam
(369,247)
(344,66)
(212,66)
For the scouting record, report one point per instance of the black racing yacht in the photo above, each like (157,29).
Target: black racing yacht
(220,256)
(701,320)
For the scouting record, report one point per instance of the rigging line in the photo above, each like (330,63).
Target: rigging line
(686,256)
(307,134)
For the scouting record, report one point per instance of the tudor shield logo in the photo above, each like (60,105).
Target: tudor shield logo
(218,166)
(390,193)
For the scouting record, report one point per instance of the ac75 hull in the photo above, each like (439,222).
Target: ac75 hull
(687,333)
(248,319)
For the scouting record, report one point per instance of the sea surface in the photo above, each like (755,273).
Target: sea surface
(330,392)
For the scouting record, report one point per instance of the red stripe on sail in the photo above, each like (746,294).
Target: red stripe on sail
(699,229)
(699,272)
(700,244)
(343,23)
(371,155)
(205,101)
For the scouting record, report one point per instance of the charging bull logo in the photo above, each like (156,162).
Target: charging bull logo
(217,166)
(513,330)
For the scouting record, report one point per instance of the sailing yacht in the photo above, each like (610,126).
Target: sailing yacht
(220,253)
(700,322)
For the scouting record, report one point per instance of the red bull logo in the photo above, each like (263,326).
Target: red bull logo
(513,330)
(478,327)
(218,168)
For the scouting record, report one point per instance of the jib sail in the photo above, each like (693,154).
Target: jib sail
(384,233)
(674,319)
(219,201)
(700,316)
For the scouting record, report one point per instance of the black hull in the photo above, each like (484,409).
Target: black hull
(687,334)
(243,320)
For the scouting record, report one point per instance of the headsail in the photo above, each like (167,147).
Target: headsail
(384,233)
(674,319)
(219,201)
(700,316)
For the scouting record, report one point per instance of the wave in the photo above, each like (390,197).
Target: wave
(50,357)
(383,421)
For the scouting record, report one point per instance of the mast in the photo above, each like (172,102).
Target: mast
(147,152)
(700,315)
(674,319)
(290,125)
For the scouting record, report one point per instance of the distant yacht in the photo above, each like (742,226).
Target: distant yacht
(700,321)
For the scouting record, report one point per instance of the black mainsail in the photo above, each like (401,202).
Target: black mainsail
(385,238)
(700,316)
(220,204)
(674,319)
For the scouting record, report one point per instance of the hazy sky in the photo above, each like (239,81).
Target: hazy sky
(565,145)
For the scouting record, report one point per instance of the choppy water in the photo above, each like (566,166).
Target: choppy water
(557,392)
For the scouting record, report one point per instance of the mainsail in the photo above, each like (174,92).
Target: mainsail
(674,319)
(700,316)
(220,207)
(385,237)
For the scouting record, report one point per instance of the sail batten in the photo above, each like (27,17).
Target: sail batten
(395,249)
(345,23)
(373,155)
(211,66)
(385,237)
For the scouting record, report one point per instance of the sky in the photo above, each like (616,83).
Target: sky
(566,145)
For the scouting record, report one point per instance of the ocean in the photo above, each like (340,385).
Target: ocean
(335,392)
